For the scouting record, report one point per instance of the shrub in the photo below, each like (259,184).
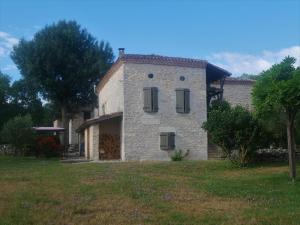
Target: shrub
(19,134)
(235,130)
(178,155)
(48,146)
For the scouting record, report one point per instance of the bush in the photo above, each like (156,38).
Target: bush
(235,130)
(48,146)
(179,155)
(19,134)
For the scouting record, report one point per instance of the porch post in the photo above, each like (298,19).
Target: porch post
(94,142)
(86,143)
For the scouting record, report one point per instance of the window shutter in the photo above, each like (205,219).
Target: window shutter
(167,141)
(164,141)
(171,141)
(186,100)
(154,99)
(147,100)
(180,100)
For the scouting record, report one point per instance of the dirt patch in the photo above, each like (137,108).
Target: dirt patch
(109,210)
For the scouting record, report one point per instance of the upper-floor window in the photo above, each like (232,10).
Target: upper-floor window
(150,99)
(182,100)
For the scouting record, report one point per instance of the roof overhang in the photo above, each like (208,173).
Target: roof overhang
(97,120)
(49,129)
(214,73)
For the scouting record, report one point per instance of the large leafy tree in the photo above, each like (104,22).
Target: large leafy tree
(64,62)
(278,91)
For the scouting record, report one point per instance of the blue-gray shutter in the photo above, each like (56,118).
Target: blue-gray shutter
(164,141)
(186,100)
(180,100)
(154,91)
(167,140)
(171,141)
(147,99)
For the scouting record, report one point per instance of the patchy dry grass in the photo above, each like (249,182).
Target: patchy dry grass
(205,192)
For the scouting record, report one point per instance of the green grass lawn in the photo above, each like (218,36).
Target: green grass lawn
(189,192)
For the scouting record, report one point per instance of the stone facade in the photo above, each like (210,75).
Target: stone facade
(142,130)
(238,94)
(74,123)
(111,97)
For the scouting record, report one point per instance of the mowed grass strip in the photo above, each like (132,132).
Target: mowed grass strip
(34,191)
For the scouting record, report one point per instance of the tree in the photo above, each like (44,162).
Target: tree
(234,130)
(8,110)
(4,88)
(64,62)
(18,132)
(278,91)
(24,95)
(249,76)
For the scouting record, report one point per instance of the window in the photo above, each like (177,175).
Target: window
(150,75)
(86,115)
(150,99)
(182,78)
(167,141)
(182,100)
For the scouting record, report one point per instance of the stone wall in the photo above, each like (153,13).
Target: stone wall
(238,94)
(141,131)
(110,97)
(74,123)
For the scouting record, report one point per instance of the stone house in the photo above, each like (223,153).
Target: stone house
(150,105)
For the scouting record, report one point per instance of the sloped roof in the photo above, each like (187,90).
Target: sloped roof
(158,60)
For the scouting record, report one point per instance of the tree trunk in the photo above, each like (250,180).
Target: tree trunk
(291,144)
(64,120)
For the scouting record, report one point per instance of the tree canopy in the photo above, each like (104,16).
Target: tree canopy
(63,61)
(19,98)
(278,91)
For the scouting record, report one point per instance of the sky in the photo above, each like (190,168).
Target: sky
(241,36)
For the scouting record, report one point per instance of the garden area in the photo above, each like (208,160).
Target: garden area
(36,191)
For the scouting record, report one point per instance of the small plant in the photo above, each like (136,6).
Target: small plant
(179,155)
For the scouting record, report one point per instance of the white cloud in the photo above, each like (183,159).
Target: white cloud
(2,52)
(7,42)
(238,63)
(9,67)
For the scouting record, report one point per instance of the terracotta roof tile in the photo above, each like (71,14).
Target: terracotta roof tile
(163,60)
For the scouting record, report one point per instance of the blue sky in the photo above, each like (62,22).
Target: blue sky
(241,36)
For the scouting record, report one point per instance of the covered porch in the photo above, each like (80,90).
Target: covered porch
(215,79)
(101,137)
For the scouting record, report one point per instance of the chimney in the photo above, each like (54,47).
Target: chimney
(121,52)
